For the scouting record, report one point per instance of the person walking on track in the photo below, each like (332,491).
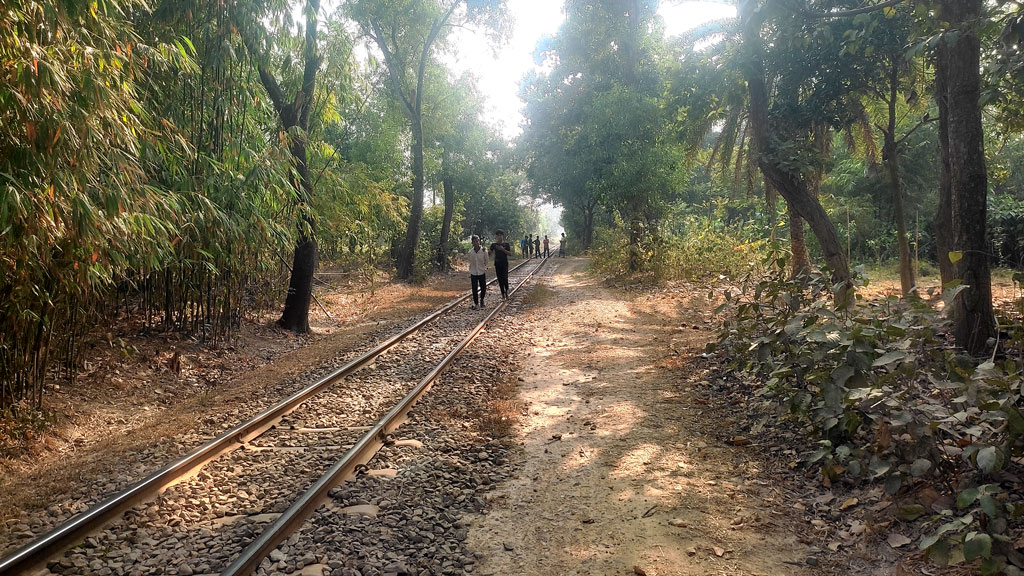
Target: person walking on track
(501,251)
(522,246)
(478,271)
(561,246)
(536,246)
(547,251)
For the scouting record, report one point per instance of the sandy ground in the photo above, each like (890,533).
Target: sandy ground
(619,473)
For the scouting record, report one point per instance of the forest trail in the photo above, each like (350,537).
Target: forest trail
(620,472)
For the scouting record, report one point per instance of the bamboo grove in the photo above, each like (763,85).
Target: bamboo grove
(182,165)
(175,165)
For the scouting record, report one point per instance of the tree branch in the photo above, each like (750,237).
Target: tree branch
(269,82)
(855,11)
(304,99)
(434,31)
(923,121)
(389,60)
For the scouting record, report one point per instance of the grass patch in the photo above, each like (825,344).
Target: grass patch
(890,271)
(497,419)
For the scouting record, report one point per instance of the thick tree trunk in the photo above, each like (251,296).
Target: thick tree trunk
(806,206)
(790,186)
(943,223)
(295,114)
(295,316)
(973,319)
(801,262)
(407,256)
(588,227)
(446,225)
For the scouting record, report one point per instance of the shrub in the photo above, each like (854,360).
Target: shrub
(887,399)
(698,251)
(702,252)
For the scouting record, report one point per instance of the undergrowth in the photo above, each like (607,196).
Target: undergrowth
(888,399)
(698,252)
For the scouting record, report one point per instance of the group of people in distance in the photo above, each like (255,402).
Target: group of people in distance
(530,246)
(478,258)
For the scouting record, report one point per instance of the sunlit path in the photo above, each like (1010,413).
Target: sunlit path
(616,469)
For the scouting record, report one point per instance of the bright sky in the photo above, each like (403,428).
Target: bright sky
(499,73)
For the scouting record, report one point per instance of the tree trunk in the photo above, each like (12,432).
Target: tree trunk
(801,263)
(890,156)
(907,281)
(790,186)
(943,223)
(973,319)
(295,316)
(809,208)
(407,256)
(446,225)
(636,233)
(588,227)
(295,114)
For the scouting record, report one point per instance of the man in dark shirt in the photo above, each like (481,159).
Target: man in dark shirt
(536,246)
(501,251)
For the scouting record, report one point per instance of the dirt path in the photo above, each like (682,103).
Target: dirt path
(620,473)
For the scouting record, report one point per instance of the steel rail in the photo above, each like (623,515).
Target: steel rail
(360,453)
(36,553)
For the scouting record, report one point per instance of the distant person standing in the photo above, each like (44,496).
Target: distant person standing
(561,246)
(536,246)
(529,246)
(522,246)
(547,252)
(478,271)
(501,251)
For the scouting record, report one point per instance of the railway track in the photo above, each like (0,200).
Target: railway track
(224,507)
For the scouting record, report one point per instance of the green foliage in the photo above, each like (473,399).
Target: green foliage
(148,177)
(887,400)
(694,251)
(1006,230)
(75,209)
(596,130)
(703,252)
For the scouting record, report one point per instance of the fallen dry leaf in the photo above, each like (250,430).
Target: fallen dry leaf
(639,571)
(719,551)
(849,503)
(896,540)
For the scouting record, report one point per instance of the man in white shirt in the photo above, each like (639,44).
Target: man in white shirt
(478,271)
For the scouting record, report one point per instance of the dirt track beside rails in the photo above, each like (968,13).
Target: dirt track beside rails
(620,472)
